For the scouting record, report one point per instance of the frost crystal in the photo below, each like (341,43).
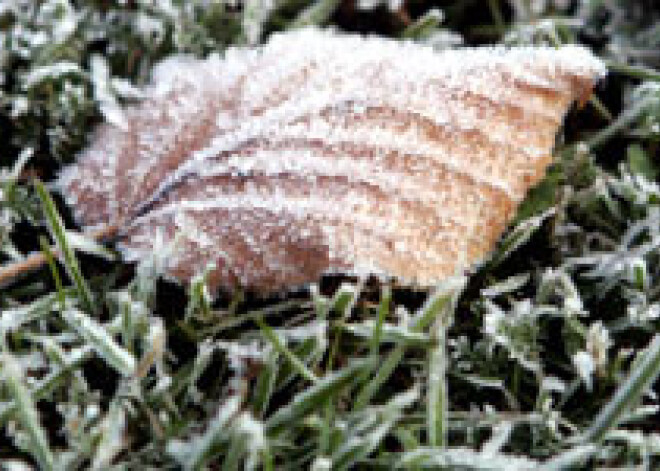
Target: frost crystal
(321,152)
(584,364)
(598,343)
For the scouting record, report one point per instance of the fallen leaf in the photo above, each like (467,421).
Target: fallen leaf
(322,152)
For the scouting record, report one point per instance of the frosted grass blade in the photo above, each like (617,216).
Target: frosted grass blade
(277,344)
(314,396)
(26,412)
(640,379)
(59,234)
(437,394)
(101,341)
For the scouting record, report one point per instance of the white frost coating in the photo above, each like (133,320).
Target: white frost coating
(15,465)
(585,366)
(321,463)
(253,430)
(317,330)
(465,458)
(193,453)
(101,341)
(240,354)
(100,75)
(112,439)
(320,152)
(38,74)
(364,226)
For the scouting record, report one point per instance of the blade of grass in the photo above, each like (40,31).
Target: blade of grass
(433,307)
(634,71)
(518,236)
(59,287)
(14,319)
(437,394)
(101,341)
(10,272)
(313,397)
(424,26)
(46,386)
(496,12)
(26,413)
(383,312)
(359,446)
(198,451)
(386,369)
(389,333)
(237,449)
(295,362)
(58,232)
(625,119)
(248,444)
(264,386)
(111,442)
(640,379)
(317,13)
(377,330)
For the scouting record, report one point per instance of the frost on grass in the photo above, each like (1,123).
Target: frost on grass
(322,152)
(549,348)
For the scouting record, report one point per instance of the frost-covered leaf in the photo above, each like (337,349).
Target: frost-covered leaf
(321,152)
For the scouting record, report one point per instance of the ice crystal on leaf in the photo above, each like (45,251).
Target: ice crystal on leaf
(321,152)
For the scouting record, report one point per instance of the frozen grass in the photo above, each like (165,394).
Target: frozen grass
(546,357)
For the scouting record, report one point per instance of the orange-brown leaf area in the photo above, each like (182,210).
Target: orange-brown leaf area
(323,152)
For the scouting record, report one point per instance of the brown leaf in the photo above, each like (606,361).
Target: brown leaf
(321,152)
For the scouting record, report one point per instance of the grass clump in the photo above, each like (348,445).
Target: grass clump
(546,357)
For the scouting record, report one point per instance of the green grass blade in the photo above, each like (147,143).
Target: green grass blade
(386,369)
(101,341)
(361,443)
(383,312)
(237,449)
(435,305)
(389,334)
(50,259)
(635,71)
(265,385)
(26,413)
(45,387)
(58,232)
(14,319)
(437,394)
(112,441)
(424,26)
(517,237)
(624,120)
(640,379)
(317,13)
(193,455)
(444,296)
(295,362)
(315,396)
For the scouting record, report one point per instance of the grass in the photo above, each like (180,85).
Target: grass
(545,357)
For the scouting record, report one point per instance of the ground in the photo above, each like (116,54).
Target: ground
(544,357)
